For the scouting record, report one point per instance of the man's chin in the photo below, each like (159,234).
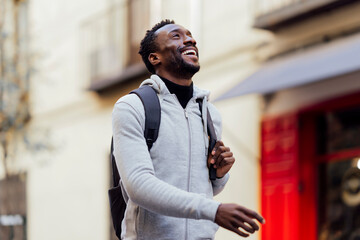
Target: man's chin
(190,66)
(188,70)
(184,69)
(194,69)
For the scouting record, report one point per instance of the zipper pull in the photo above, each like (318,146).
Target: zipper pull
(186,114)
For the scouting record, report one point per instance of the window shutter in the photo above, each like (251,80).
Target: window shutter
(280,178)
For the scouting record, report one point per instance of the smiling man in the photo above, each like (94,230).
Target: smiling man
(168,190)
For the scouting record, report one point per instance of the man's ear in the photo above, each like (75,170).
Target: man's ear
(154,59)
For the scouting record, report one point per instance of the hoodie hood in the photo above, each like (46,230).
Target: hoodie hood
(156,83)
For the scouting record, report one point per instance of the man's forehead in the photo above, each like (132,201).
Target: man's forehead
(171,27)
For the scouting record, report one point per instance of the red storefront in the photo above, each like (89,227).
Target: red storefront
(310,172)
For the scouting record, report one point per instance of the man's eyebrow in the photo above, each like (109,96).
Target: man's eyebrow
(179,31)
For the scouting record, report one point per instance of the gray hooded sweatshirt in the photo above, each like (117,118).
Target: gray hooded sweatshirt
(168,191)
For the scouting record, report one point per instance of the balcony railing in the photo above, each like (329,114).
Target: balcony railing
(272,14)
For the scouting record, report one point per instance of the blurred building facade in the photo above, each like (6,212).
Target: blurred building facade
(309,84)
(293,130)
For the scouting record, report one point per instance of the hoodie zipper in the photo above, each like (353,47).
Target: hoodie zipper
(189,168)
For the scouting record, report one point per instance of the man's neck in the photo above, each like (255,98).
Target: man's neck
(174,79)
(183,93)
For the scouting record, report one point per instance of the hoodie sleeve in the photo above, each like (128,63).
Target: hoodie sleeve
(137,171)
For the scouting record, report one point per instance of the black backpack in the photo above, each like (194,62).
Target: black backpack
(152,109)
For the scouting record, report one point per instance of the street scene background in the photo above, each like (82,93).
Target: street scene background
(284,74)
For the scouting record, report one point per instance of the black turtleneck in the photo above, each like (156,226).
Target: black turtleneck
(183,93)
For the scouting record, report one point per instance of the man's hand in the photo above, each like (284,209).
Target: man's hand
(222,159)
(233,217)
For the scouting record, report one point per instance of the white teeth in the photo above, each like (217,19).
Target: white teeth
(189,52)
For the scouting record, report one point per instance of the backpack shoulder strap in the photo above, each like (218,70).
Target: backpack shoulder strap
(212,138)
(151,104)
(115,173)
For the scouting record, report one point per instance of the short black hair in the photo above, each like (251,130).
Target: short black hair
(148,44)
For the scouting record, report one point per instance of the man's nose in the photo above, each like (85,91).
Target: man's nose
(189,39)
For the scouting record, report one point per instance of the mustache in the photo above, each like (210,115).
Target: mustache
(180,49)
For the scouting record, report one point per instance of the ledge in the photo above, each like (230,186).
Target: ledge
(127,74)
(296,12)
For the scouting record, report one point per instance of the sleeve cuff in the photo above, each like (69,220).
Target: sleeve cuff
(220,182)
(208,209)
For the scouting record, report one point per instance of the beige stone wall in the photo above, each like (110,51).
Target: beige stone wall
(67,184)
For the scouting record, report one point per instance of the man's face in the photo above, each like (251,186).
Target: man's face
(177,51)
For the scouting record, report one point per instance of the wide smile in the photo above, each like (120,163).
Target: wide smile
(189,52)
(192,53)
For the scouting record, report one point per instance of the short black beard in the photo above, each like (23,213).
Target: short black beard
(182,69)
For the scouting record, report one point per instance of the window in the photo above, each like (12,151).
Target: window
(139,17)
(339,200)
(110,42)
(338,132)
